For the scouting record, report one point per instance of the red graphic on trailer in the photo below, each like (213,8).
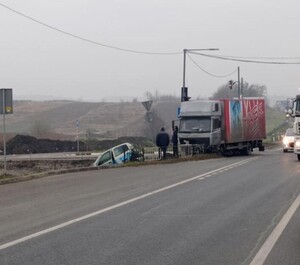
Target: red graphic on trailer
(244,120)
(254,119)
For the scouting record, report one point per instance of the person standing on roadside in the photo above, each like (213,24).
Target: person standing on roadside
(162,141)
(175,142)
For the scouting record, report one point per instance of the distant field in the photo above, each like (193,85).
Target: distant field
(104,119)
(61,116)
(275,118)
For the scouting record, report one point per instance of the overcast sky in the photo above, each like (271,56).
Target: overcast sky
(39,62)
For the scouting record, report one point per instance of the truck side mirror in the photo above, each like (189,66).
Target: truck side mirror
(216,107)
(290,112)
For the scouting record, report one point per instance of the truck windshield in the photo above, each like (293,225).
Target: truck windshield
(297,113)
(195,125)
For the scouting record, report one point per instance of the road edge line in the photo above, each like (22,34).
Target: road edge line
(270,242)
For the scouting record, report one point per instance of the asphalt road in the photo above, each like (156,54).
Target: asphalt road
(219,211)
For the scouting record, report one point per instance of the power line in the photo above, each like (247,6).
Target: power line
(221,57)
(218,76)
(260,58)
(85,39)
(244,60)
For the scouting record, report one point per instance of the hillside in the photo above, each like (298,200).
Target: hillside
(103,119)
(99,119)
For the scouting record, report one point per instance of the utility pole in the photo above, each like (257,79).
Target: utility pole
(4,131)
(184,89)
(242,88)
(184,66)
(77,135)
(239,84)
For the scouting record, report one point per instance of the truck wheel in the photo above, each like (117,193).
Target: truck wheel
(222,151)
(261,148)
(298,155)
(247,150)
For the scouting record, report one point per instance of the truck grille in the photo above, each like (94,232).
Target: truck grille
(298,128)
(202,141)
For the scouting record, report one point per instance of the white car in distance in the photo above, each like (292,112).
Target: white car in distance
(288,140)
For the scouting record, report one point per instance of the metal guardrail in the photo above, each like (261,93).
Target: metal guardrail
(153,153)
(185,150)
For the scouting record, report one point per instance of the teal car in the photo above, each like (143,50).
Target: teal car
(117,155)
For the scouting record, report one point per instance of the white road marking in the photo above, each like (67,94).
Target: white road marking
(278,149)
(218,171)
(266,248)
(79,219)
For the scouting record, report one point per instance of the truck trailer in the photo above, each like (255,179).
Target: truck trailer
(229,126)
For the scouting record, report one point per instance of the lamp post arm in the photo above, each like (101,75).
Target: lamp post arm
(185,51)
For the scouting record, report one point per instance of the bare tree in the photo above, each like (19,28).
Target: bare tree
(253,90)
(160,97)
(40,128)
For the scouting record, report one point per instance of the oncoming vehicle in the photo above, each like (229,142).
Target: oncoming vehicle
(288,140)
(116,155)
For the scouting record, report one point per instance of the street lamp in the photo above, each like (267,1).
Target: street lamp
(184,90)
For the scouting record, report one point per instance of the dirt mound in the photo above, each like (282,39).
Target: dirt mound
(24,144)
(136,141)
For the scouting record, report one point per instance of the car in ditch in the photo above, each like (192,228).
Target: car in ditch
(117,155)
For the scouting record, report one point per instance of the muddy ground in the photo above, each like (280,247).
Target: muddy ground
(29,167)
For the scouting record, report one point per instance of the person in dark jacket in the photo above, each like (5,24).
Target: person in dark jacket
(162,141)
(175,142)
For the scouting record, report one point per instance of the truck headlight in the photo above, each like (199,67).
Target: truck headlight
(297,143)
(285,141)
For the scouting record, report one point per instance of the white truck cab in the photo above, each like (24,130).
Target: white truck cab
(295,113)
